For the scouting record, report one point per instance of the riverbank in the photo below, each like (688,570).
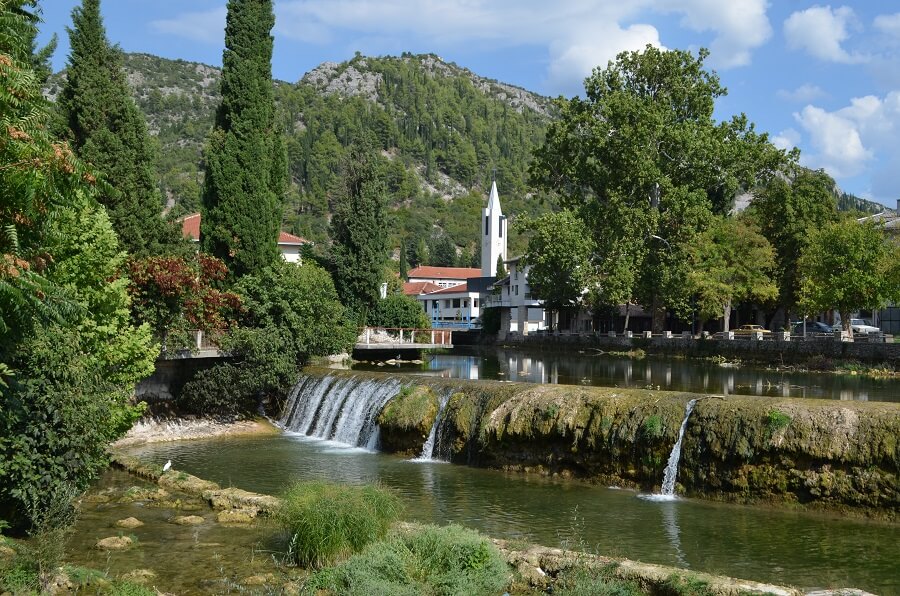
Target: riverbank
(532,568)
(162,430)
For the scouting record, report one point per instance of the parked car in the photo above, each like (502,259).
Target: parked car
(812,327)
(750,330)
(858,326)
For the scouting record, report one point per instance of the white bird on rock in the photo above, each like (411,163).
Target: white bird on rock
(167,466)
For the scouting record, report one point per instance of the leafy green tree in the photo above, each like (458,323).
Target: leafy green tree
(730,262)
(69,357)
(107,130)
(641,157)
(501,268)
(404,263)
(399,310)
(558,257)
(787,212)
(300,301)
(848,266)
(358,231)
(442,251)
(245,159)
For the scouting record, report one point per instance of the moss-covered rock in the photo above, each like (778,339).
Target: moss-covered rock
(407,418)
(818,453)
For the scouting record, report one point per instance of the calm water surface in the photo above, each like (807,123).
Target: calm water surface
(796,548)
(591,368)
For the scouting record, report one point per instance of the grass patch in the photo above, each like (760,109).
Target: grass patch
(594,581)
(652,427)
(328,522)
(687,585)
(430,560)
(776,421)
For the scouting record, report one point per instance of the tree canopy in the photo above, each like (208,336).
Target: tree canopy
(848,266)
(643,162)
(107,130)
(245,162)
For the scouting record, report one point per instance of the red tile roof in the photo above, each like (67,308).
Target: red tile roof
(190,227)
(445,272)
(460,289)
(414,288)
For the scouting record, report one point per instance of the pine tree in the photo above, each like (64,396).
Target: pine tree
(107,130)
(404,265)
(245,160)
(359,233)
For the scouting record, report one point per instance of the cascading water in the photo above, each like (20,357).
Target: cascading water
(430,447)
(668,485)
(338,408)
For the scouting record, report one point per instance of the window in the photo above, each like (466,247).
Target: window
(465,304)
(436,304)
(515,273)
(447,303)
(456,303)
(475,303)
(487,225)
(501,222)
(517,290)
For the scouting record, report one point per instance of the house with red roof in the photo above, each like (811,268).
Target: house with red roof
(288,244)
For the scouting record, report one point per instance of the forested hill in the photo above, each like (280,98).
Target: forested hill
(442,132)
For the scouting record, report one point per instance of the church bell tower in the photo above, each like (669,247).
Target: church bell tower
(493,234)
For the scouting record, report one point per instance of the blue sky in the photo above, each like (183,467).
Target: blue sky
(822,77)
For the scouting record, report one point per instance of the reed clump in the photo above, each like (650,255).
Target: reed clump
(328,522)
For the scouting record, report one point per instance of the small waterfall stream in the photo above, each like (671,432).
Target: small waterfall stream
(430,448)
(338,408)
(671,473)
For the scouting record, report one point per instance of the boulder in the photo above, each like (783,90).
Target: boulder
(129,522)
(187,520)
(114,543)
(236,516)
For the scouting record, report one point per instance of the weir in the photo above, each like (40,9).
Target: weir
(429,449)
(342,409)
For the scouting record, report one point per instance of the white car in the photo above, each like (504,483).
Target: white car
(858,326)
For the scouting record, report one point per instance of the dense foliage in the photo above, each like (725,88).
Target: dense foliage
(69,354)
(107,130)
(645,165)
(359,250)
(559,256)
(399,310)
(848,266)
(244,160)
(177,295)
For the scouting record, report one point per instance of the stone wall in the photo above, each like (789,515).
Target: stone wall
(169,376)
(769,349)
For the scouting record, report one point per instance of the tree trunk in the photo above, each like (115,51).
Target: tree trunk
(845,323)
(726,317)
(627,316)
(658,324)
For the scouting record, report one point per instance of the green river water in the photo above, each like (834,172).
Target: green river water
(774,545)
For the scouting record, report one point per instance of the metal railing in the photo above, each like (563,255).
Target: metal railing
(406,335)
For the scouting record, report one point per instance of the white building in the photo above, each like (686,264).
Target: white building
(520,311)
(451,306)
(494,234)
(445,277)
(288,244)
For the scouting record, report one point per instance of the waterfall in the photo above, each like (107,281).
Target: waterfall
(430,447)
(338,408)
(668,485)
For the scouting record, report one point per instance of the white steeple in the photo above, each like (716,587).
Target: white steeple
(493,234)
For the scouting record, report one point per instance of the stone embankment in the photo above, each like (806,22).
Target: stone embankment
(821,454)
(163,430)
(770,349)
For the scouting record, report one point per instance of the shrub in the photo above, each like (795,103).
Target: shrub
(399,310)
(328,522)
(653,427)
(593,580)
(776,421)
(430,560)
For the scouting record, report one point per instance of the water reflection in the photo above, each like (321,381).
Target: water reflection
(586,368)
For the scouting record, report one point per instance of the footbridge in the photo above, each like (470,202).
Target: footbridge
(403,339)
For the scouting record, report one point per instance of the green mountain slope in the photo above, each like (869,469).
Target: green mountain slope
(443,131)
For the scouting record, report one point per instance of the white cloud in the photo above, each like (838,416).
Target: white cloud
(206,27)
(858,138)
(802,94)
(740,27)
(820,31)
(786,139)
(888,24)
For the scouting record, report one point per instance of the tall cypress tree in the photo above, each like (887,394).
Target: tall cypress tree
(359,251)
(245,161)
(107,130)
